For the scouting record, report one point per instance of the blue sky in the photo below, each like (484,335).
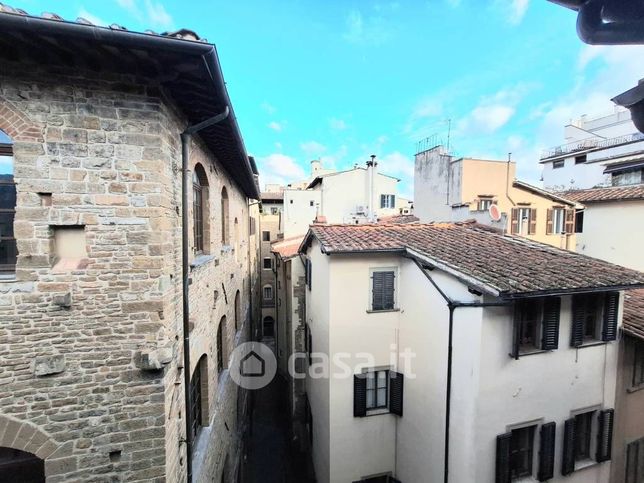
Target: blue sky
(341,80)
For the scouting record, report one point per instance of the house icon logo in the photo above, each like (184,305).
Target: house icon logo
(253,365)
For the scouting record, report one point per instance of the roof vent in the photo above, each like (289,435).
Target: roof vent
(51,16)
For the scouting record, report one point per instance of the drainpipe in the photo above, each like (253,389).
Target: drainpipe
(452,305)
(186,136)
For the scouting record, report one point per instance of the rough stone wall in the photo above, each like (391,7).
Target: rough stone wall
(71,379)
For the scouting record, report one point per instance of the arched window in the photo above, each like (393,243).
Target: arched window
(236,238)
(221,342)
(199,396)
(268,292)
(200,209)
(225,236)
(269,327)
(237,310)
(8,250)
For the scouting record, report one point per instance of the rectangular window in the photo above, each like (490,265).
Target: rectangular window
(266,236)
(377,389)
(635,462)
(387,201)
(594,317)
(583,432)
(536,325)
(580,159)
(637,380)
(559,163)
(268,293)
(484,204)
(311,203)
(383,289)
(274,210)
(268,263)
(524,221)
(521,452)
(579,221)
(558,220)
(527,317)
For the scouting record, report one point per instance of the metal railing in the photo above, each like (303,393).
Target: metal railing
(591,143)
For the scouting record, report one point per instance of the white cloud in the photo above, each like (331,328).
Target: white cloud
(454,3)
(513,10)
(365,31)
(312,148)
(270,109)
(279,168)
(275,126)
(396,164)
(92,18)
(337,124)
(492,112)
(152,13)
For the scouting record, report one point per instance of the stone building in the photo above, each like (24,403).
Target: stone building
(92,279)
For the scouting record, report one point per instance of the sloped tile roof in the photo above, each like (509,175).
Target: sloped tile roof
(287,248)
(611,193)
(396,219)
(503,265)
(634,313)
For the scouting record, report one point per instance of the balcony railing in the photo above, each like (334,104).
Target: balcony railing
(592,143)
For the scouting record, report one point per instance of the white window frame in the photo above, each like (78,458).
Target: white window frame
(558,221)
(523,224)
(388,202)
(270,288)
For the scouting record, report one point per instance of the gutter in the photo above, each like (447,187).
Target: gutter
(186,137)
(452,305)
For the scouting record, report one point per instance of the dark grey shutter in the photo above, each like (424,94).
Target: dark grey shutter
(578,317)
(516,330)
(568,460)
(503,443)
(396,382)
(393,201)
(306,272)
(393,480)
(605,435)
(611,307)
(550,325)
(310,347)
(310,274)
(359,395)
(383,200)
(388,285)
(547,452)
(378,291)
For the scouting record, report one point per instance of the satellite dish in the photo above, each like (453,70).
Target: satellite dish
(494,212)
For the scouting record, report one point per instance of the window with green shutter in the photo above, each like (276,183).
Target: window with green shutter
(383,288)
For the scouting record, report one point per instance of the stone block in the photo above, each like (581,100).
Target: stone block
(155,359)
(48,365)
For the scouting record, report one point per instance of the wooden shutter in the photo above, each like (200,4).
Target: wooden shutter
(516,330)
(393,201)
(377,291)
(306,272)
(388,287)
(503,444)
(635,462)
(578,317)
(514,221)
(359,395)
(396,381)
(570,222)
(532,228)
(310,341)
(310,274)
(383,200)
(605,435)
(549,222)
(611,308)
(568,460)
(547,452)
(550,323)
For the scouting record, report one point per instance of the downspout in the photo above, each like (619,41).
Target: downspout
(250,266)
(186,137)
(507,180)
(452,305)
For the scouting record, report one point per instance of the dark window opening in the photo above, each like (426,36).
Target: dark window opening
(196,395)
(579,221)
(268,327)
(521,452)
(8,247)
(559,163)
(638,364)
(583,431)
(266,236)
(580,159)
(221,334)
(268,263)
(635,462)
(16,463)
(527,316)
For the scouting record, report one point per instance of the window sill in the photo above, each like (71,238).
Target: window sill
(633,389)
(583,464)
(201,260)
(382,311)
(376,412)
(533,352)
(65,265)
(594,343)
(9,277)
(524,479)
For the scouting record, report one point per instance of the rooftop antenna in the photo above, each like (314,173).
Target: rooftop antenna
(449,132)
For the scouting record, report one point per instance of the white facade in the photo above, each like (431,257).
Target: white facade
(614,231)
(591,146)
(300,209)
(491,392)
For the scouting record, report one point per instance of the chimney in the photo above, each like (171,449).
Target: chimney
(372,166)
(316,165)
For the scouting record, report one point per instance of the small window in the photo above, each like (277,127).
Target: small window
(291,202)
(198,409)
(268,292)
(275,210)
(637,380)
(528,318)
(594,317)
(558,220)
(524,221)
(559,163)
(8,247)
(268,263)
(635,462)
(583,433)
(521,452)
(580,159)
(311,203)
(579,221)
(221,339)
(387,201)
(225,223)
(383,289)
(266,236)
(484,204)
(377,389)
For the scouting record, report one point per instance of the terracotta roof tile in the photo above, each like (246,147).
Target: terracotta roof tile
(611,193)
(634,313)
(287,248)
(503,264)
(395,219)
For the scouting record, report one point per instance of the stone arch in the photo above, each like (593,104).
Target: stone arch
(29,438)
(17,125)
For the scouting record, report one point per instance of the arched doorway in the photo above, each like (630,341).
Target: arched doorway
(14,462)
(269,327)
